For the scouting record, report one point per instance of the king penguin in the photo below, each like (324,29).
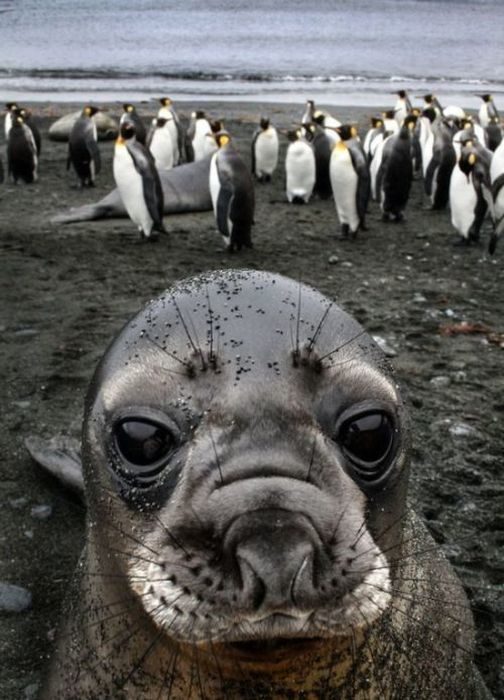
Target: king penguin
(402,106)
(299,168)
(132,115)
(439,169)
(396,172)
(159,143)
(487,110)
(22,158)
(264,150)
(321,143)
(468,206)
(350,181)
(83,151)
(497,183)
(232,193)
(493,134)
(28,119)
(374,135)
(167,111)
(138,182)
(198,133)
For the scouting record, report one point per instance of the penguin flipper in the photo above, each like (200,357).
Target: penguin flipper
(364,180)
(224,205)
(144,163)
(94,151)
(253,158)
(497,185)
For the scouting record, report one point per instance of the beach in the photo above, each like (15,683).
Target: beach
(67,290)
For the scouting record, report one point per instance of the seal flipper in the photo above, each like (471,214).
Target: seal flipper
(60,456)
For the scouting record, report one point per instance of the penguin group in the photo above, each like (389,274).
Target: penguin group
(459,158)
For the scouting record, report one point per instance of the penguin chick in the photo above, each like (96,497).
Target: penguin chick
(132,115)
(232,193)
(299,168)
(138,182)
(264,151)
(83,151)
(396,172)
(22,159)
(350,181)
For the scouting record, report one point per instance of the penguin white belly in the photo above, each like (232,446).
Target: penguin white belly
(130,185)
(266,152)
(344,181)
(496,171)
(200,136)
(375,166)
(463,201)
(161,148)
(166,113)
(333,136)
(209,145)
(300,171)
(427,151)
(483,115)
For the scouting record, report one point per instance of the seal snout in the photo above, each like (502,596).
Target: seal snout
(272,554)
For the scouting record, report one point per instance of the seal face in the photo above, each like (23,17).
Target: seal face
(245,456)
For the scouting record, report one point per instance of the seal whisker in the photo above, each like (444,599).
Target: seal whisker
(103,574)
(423,596)
(138,664)
(343,345)
(318,330)
(195,346)
(210,334)
(312,457)
(188,365)
(171,535)
(134,556)
(174,666)
(369,647)
(216,456)
(169,670)
(131,537)
(378,537)
(360,533)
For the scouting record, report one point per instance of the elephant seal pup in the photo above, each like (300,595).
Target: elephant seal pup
(185,189)
(245,455)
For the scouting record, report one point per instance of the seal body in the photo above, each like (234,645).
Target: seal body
(245,455)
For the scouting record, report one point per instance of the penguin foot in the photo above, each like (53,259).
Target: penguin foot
(461,241)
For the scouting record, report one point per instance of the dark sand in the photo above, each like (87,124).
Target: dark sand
(67,290)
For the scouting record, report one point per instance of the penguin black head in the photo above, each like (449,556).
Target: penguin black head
(310,103)
(264,123)
(11,106)
(127,131)
(165,101)
(410,121)
(17,120)
(90,110)
(293,135)
(376,122)
(486,97)
(22,112)
(216,126)
(430,113)
(347,131)
(389,114)
(468,159)
(199,114)
(319,118)
(402,94)
(416,112)
(428,99)
(128,108)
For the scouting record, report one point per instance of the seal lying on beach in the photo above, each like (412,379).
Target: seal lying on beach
(245,454)
(185,189)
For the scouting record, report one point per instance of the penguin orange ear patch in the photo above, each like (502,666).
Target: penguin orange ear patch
(472,158)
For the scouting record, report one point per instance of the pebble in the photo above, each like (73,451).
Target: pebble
(419,298)
(26,332)
(347,263)
(459,376)
(31,691)
(384,345)
(22,404)
(333,259)
(440,381)
(18,503)
(41,512)
(14,598)
(462,430)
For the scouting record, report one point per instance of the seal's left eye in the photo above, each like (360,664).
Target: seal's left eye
(144,444)
(367,440)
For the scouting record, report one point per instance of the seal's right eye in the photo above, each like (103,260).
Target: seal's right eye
(144,445)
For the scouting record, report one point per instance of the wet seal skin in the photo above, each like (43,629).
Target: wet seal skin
(245,456)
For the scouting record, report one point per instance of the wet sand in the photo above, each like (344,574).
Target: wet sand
(66,291)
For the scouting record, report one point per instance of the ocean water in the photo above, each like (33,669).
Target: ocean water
(334,51)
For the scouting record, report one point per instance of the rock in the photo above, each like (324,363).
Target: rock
(18,503)
(107,127)
(333,259)
(460,429)
(41,512)
(14,598)
(419,298)
(383,345)
(31,691)
(440,381)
